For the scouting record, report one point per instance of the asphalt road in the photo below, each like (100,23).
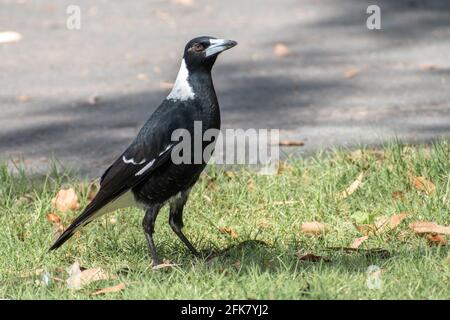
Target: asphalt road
(341,84)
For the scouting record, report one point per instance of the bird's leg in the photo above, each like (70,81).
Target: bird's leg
(176,219)
(149,227)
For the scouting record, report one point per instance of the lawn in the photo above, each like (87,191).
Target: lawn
(256,220)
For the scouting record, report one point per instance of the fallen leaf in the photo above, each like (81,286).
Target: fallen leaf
(366,229)
(281,50)
(53,218)
(428,67)
(398,195)
(352,188)
(436,239)
(65,200)
(230,174)
(23,98)
(230,231)
(263,224)
(166,85)
(424,185)
(351,73)
(313,227)
(385,224)
(237,264)
(78,279)
(186,3)
(358,242)
(116,288)
(164,266)
(32,273)
(428,227)
(142,76)
(10,36)
(291,143)
(312,257)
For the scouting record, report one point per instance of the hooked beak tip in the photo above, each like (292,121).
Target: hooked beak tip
(219,45)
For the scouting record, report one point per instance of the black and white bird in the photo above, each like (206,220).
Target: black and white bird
(145,175)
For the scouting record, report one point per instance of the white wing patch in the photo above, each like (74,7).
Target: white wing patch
(181,90)
(127,161)
(168,147)
(147,166)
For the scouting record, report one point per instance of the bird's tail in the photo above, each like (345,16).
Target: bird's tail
(84,218)
(98,207)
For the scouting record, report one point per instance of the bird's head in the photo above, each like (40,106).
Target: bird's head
(201,52)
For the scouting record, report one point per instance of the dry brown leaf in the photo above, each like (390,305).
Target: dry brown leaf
(358,242)
(142,76)
(436,239)
(428,67)
(230,174)
(230,231)
(10,36)
(281,50)
(312,257)
(166,85)
(263,224)
(164,266)
(116,288)
(366,229)
(23,98)
(424,185)
(65,200)
(351,73)
(53,218)
(385,224)
(428,227)
(313,227)
(354,185)
(398,195)
(78,279)
(291,143)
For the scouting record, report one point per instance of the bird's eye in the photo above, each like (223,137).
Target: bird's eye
(198,47)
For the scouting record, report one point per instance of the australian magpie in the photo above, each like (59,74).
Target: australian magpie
(145,175)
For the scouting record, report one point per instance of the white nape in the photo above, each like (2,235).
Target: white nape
(181,90)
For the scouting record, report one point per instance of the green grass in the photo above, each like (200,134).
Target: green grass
(253,206)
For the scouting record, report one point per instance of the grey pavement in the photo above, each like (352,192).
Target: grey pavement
(127,51)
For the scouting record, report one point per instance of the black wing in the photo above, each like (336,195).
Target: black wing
(151,148)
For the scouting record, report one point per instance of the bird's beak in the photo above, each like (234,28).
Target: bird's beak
(219,45)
